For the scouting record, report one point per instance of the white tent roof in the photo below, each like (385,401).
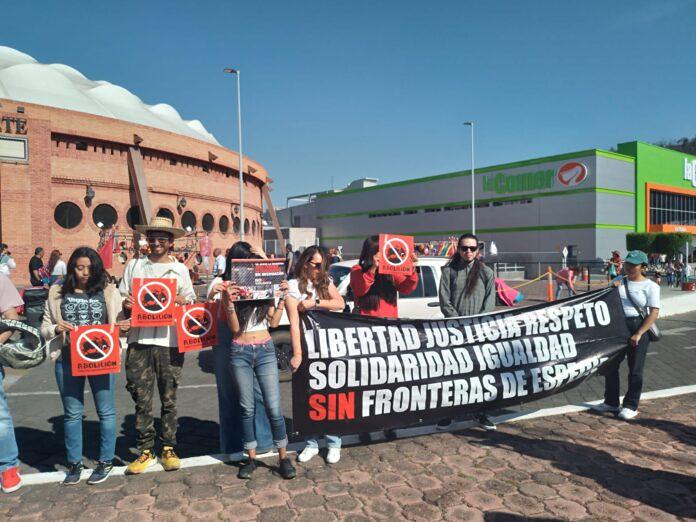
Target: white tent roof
(22,78)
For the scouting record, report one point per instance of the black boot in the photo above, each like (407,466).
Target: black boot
(247,470)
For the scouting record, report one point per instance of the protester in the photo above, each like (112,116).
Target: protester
(312,289)
(289,261)
(35,266)
(84,298)
(375,293)
(640,298)
(9,454)
(565,278)
(220,263)
(614,265)
(56,267)
(253,355)
(333,256)
(7,264)
(467,287)
(205,245)
(230,415)
(153,355)
(669,272)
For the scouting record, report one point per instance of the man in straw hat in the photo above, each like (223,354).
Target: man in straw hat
(153,355)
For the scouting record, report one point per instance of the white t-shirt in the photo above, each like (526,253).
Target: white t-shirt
(294,290)
(219,266)
(61,269)
(644,293)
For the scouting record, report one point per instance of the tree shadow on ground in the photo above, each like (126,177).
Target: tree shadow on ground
(681,432)
(497,516)
(206,362)
(664,490)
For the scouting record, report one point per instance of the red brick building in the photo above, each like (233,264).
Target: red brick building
(70,153)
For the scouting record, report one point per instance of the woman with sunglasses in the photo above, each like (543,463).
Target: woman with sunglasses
(467,287)
(83,299)
(312,289)
(640,298)
(376,294)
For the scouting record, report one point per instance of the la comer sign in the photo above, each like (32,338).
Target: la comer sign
(570,174)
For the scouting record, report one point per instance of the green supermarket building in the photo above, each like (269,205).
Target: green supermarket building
(585,201)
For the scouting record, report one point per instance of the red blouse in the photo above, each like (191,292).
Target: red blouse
(362,280)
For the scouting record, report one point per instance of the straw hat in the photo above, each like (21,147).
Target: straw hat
(161,224)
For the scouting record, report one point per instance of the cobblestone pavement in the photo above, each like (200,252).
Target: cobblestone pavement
(576,466)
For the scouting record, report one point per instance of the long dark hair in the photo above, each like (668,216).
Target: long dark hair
(383,288)
(53,260)
(321,280)
(245,309)
(457,262)
(98,278)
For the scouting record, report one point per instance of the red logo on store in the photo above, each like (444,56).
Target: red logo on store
(571,174)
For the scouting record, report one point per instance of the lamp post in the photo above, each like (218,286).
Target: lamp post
(473,187)
(237,72)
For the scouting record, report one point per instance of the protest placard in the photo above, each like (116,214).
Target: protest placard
(197,326)
(395,254)
(257,278)
(94,350)
(154,302)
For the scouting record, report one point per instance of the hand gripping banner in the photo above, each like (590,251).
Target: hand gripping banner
(362,374)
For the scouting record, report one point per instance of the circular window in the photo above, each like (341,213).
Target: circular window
(188,221)
(236,225)
(246,226)
(67,215)
(133,217)
(104,216)
(165,213)
(208,222)
(253,227)
(224,224)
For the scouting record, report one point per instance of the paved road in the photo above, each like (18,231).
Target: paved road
(581,466)
(37,410)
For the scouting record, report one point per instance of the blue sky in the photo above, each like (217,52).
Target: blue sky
(340,90)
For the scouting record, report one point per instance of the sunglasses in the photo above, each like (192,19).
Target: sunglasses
(160,240)
(464,248)
(315,265)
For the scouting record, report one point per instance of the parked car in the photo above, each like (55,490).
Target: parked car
(423,303)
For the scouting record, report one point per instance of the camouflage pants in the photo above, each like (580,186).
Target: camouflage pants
(145,366)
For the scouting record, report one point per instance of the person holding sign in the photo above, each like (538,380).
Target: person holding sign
(312,289)
(229,413)
(640,298)
(253,354)
(376,294)
(83,299)
(467,287)
(153,355)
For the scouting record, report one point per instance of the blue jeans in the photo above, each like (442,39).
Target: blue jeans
(559,289)
(332,441)
(72,393)
(9,454)
(228,400)
(258,360)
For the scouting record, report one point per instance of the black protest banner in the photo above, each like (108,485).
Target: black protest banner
(364,374)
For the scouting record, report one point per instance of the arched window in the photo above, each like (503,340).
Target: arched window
(208,222)
(236,225)
(67,215)
(133,217)
(188,221)
(253,228)
(166,213)
(224,224)
(104,216)
(246,226)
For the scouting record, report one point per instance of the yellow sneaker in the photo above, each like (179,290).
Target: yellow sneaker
(169,460)
(144,461)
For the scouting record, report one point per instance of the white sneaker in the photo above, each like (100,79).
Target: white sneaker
(603,407)
(308,454)
(627,413)
(333,456)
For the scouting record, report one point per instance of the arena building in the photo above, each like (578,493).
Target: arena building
(585,201)
(79,156)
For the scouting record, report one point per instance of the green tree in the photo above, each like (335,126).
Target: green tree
(671,243)
(644,241)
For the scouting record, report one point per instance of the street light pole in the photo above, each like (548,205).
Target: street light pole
(473,185)
(237,73)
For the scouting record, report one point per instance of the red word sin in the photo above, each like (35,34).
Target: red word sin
(335,406)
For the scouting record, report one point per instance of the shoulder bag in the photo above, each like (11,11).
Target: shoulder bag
(654,332)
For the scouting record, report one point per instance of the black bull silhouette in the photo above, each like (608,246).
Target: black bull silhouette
(155,302)
(89,349)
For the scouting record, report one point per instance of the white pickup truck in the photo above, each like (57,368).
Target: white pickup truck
(423,303)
